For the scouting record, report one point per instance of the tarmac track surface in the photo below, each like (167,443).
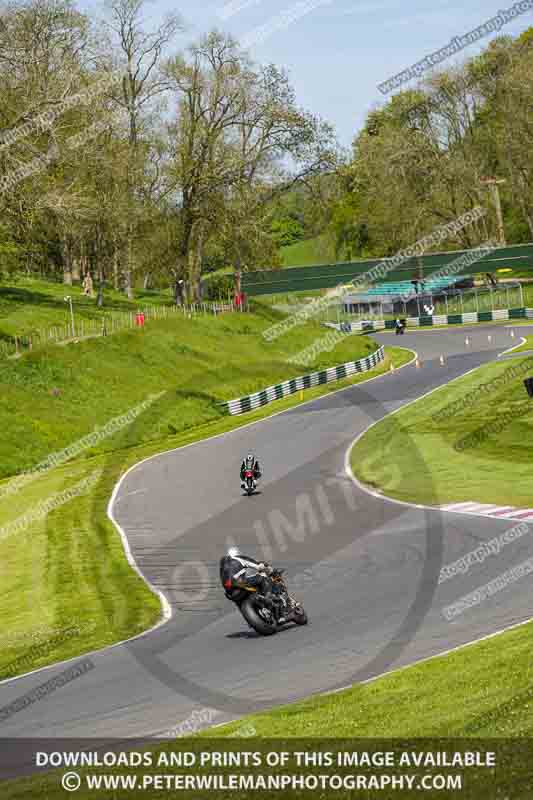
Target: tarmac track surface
(366,569)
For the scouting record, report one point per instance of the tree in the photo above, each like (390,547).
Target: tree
(236,128)
(141,54)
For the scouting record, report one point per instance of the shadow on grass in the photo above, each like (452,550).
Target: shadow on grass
(13,295)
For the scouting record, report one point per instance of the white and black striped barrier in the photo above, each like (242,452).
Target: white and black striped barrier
(243,404)
(435,320)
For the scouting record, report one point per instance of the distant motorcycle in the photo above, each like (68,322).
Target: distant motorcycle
(245,584)
(400,327)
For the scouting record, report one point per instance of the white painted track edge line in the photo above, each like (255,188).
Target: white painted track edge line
(462,506)
(510,349)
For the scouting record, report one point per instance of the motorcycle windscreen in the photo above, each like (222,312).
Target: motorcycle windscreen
(228,569)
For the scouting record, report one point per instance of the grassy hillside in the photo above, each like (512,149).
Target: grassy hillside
(51,396)
(28,305)
(308,252)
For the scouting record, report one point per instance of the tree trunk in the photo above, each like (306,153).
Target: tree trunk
(178,288)
(67,264)
(76,270)
(101,285)
(99,266)
(83,260)
(195,266)
(128,272)
(116,283)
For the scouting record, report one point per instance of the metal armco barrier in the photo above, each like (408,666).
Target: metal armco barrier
(243,404)
(434,321)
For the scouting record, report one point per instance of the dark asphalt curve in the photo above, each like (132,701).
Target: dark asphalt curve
(366,569)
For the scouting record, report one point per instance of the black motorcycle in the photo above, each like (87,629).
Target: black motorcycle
(264,602)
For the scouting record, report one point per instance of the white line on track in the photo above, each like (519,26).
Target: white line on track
(510,349)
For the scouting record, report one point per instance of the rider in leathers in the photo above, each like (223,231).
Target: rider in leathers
(250,462)
(263,570)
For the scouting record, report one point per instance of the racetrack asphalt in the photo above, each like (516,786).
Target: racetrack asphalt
(365,569)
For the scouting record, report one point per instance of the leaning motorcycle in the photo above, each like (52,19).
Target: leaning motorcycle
(244,586)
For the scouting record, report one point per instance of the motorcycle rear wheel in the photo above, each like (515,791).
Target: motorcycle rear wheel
(254,619)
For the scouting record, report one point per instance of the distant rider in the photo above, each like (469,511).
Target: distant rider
(250,463)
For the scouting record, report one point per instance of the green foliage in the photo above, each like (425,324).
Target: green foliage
(286,231)
(350,230)
(11,255)
(220,285)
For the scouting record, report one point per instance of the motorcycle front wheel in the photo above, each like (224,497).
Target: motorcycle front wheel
(254,613)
